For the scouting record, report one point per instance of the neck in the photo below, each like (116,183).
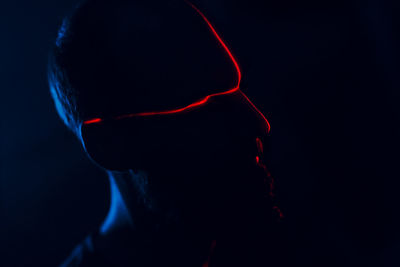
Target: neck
(137,224)
(119,216)
(138,210)
(132,204)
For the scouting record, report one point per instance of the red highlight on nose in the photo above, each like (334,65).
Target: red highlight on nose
(205,99)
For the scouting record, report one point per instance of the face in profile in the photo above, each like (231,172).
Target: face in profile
(160,95)
(153,92)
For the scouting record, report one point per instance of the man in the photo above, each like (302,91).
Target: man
(153,93)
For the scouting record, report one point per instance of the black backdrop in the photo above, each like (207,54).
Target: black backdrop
(326,76)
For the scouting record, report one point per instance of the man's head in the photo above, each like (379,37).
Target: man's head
(115,59)
(120,57)
(117,71)
(132,57)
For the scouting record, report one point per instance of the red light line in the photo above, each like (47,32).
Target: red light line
(96,120)
(205,99)
(258,111)
(221,42)
(198,103)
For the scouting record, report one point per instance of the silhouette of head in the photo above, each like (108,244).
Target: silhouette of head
(116,67)
(151,85)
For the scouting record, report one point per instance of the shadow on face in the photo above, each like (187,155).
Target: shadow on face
(201,162)
(209,136)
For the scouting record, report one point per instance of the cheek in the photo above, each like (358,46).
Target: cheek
(203,137)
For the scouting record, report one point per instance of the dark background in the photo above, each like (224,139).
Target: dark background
(325,74)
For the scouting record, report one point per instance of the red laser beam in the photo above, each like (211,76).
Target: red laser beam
(205,99)
(188,107)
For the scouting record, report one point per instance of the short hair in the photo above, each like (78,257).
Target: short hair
(117,57)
